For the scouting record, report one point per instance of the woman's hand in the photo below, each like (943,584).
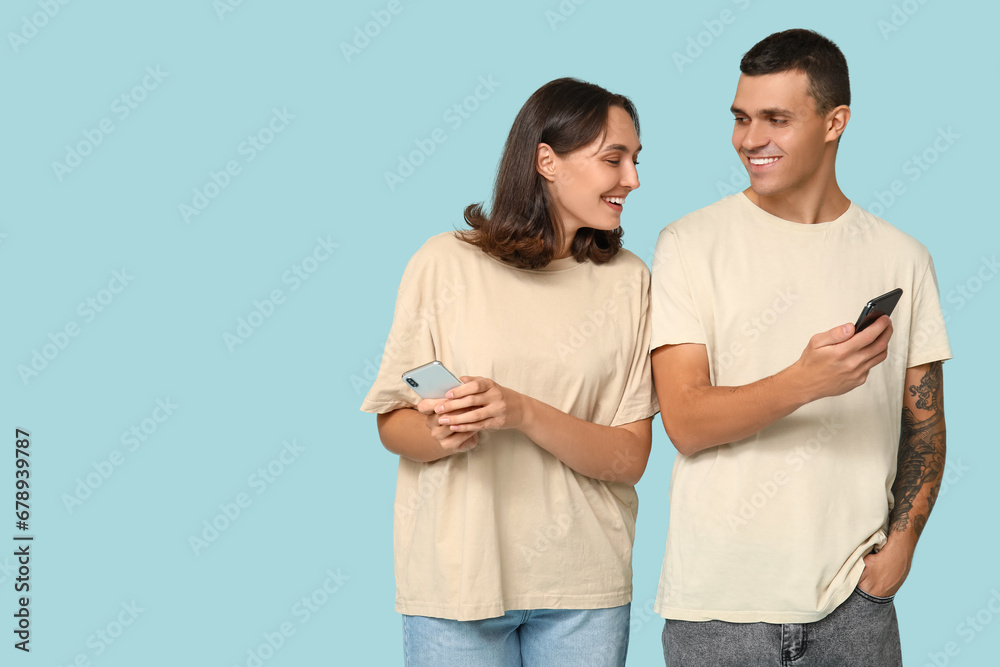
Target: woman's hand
(478,404)
(609,453)
(449,440)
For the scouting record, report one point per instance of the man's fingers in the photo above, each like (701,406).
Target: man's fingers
(883,338)
(845,332)
(874,330)
(878,348)
(834,336)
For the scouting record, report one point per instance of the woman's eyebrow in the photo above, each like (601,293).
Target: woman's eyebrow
(620,147)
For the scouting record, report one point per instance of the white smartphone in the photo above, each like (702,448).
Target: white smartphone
(431,380)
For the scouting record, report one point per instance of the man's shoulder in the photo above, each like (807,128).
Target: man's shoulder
(708,222)
(714,214)
(870,228)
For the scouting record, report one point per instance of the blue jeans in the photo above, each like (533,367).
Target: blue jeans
(861,632)
(544,637)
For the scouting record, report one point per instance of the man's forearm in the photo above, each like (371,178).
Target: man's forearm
(920,463)
(698,415)
(745,410)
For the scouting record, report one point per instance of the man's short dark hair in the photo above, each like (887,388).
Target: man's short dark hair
(809,52)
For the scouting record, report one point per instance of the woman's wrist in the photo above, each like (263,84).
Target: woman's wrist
(523,412)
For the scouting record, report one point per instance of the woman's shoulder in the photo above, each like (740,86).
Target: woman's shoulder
(446,245)
(442,254)
(443,247)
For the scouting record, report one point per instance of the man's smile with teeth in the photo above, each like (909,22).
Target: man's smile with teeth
(762,160)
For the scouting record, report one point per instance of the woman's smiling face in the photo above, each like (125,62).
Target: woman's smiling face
(588,186)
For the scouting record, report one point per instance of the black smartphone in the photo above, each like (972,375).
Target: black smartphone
(877,307)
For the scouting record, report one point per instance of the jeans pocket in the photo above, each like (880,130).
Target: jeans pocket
(873,598)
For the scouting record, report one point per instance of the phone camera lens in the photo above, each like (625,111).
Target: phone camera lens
(412,382)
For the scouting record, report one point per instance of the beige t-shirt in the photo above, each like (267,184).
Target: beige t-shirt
(773,528)
(507,525)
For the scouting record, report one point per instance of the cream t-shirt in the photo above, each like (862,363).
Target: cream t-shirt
(507,525)
(773,528)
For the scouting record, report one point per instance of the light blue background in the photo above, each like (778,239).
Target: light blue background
(303,373)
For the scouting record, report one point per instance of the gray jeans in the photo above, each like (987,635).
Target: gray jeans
(861,632)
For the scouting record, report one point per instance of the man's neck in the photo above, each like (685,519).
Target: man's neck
(804,207)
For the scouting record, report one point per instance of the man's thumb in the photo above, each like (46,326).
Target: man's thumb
(836,335)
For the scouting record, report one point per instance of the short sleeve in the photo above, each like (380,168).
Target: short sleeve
(928,337)
(639,398)
(673,313)
(410,344)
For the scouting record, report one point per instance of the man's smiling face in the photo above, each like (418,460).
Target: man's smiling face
(779,136)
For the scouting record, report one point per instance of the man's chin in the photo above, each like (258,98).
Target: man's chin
(763,189)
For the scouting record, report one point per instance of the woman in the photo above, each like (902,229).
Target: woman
(515,506)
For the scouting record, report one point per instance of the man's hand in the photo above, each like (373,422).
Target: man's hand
(886,570)
(836,361)
(449,440)
(478,404)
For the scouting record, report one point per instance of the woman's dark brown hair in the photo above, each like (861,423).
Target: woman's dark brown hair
(566,114)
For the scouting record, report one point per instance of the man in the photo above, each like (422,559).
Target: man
(804,476)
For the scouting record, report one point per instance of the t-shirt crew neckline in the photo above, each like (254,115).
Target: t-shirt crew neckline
(563,264)
(813,228)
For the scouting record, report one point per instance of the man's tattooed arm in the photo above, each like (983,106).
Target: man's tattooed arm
(920,463)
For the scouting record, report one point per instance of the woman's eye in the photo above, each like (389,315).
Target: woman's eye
(614,162)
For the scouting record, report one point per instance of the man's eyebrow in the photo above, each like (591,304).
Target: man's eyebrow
(772,111)
(620,147)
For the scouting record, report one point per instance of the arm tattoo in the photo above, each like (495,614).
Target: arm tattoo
(920,460)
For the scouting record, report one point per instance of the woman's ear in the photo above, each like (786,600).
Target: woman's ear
(545,162)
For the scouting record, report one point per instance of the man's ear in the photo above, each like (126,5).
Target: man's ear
(837,120)
(545,162)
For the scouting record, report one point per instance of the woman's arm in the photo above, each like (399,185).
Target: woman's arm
(608,453)
(419,437)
